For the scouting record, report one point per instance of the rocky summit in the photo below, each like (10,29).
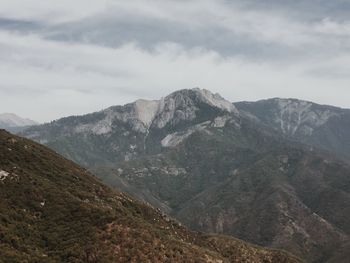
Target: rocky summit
(122,133)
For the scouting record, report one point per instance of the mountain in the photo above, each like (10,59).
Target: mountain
(322,126)
(52,210)
(14,123)
(286,197)
(121,133)
(216,168)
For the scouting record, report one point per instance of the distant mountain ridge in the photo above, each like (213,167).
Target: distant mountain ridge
(14,123)
(233,169)
(13,120)
(322,126)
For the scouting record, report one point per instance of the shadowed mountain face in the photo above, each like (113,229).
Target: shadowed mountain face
(218,168)
(54,211)
(321,126)
(287,197)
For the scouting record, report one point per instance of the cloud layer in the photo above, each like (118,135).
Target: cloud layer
(67,57)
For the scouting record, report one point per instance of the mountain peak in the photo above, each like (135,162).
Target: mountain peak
(215,100)
(292,117)
(207,97)
(177,106)
(183,105)
(13,120)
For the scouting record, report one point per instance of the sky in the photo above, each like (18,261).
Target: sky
(69,57)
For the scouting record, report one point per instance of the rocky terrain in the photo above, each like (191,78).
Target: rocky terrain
(122,133)
(223,168)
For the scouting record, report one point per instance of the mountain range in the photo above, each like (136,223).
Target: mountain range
(52,210)
(272,172)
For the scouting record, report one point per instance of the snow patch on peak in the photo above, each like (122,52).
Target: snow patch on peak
(215,100)
(146,110)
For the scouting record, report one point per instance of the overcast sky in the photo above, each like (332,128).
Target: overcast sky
(68,57)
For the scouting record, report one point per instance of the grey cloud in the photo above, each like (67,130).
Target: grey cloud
(19,25)
(308,10)
(17,90)
(73,62)
(250,37)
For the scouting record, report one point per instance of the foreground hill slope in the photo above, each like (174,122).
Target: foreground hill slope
(51,210)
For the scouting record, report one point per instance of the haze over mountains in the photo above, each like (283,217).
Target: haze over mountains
(270,172)
(14,123)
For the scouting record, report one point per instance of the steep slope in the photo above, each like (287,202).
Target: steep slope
(288,199)
(248,185)
(322,126)
(51,210)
